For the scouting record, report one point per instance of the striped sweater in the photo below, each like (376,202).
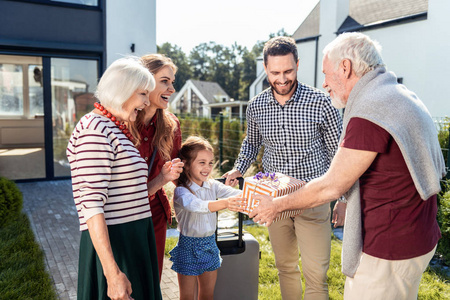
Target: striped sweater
(108,174)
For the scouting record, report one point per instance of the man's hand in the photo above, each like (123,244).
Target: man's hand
(231,177)
(339,214)
(171,170)
(265,212)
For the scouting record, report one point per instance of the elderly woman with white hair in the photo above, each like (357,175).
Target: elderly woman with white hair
(109,180)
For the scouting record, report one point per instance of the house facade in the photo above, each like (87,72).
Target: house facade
(52,53)
(413,34)
(205,99)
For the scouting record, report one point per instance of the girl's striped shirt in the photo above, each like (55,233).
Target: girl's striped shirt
(108,174)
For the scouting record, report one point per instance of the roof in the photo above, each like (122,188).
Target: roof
(310,26)
(363,13)
(210,90)
(366,12)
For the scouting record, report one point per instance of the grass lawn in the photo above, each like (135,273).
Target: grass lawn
(434,285)
(22,269)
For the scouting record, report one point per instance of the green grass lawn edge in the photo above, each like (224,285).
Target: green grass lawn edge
(435,285)
(22,268)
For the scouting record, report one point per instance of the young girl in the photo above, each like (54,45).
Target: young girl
(196,257)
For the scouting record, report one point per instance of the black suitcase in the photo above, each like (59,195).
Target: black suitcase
(237,278)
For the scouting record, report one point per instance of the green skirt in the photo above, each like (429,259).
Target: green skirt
(134,249)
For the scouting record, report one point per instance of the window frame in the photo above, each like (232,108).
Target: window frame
(60,3)
(25,62)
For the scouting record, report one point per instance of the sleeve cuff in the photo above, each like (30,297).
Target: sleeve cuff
(90,212)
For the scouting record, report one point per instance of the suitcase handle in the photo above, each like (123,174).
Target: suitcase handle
(240,215)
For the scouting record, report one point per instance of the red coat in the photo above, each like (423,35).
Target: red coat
(146,149)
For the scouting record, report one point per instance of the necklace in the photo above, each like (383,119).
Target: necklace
(109,115)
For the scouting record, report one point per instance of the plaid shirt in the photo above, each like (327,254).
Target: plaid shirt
(299,138)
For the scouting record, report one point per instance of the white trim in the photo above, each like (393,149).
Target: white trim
(257,86)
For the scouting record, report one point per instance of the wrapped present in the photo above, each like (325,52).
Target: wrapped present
(273,184)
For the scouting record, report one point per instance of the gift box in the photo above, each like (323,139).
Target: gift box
(273,184)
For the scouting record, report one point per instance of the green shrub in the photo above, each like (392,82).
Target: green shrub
(444,223)
(443,136)
(10,201)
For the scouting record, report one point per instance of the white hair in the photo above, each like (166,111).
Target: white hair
(121,79)
(363,52)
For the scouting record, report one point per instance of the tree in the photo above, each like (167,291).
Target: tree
(248,73)
(233,68)
(200,61)
(179,58)
(248,64)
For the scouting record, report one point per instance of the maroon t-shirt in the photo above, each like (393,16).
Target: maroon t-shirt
(397,223)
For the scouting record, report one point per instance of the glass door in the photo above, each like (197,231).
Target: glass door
(22,150)
(73,83)
(30,86)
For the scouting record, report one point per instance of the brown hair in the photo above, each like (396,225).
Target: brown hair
(188,153)
(280,46)
(165,125)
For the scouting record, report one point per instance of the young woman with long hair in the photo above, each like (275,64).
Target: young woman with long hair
(159,130)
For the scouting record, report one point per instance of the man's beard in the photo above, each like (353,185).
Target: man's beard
(337,102)
(293,85)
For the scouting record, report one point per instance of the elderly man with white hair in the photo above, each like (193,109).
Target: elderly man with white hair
(388,165)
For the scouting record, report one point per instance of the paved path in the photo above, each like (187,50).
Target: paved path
(54,220)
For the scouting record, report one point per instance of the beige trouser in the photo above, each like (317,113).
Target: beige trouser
(378,278)
(311,232)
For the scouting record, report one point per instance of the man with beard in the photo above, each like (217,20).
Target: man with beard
(389,164)
(299,129)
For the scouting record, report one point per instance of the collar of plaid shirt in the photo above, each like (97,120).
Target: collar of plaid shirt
(299,138)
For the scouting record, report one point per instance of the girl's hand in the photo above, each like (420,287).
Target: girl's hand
(234,203)
(171,170)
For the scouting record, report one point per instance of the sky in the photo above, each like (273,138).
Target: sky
(190,23)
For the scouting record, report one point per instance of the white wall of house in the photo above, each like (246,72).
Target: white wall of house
(130,23)
(306,65)
(259,65)
(332,15)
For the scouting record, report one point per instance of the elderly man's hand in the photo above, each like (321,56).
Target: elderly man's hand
(265,212)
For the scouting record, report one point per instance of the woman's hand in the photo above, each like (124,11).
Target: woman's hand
(171,170)
(119,287)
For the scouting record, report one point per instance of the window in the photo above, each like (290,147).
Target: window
(11,90)
(182,105)
(81,2)
(35,91)
(73,85)
(21,91)
(196,106)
